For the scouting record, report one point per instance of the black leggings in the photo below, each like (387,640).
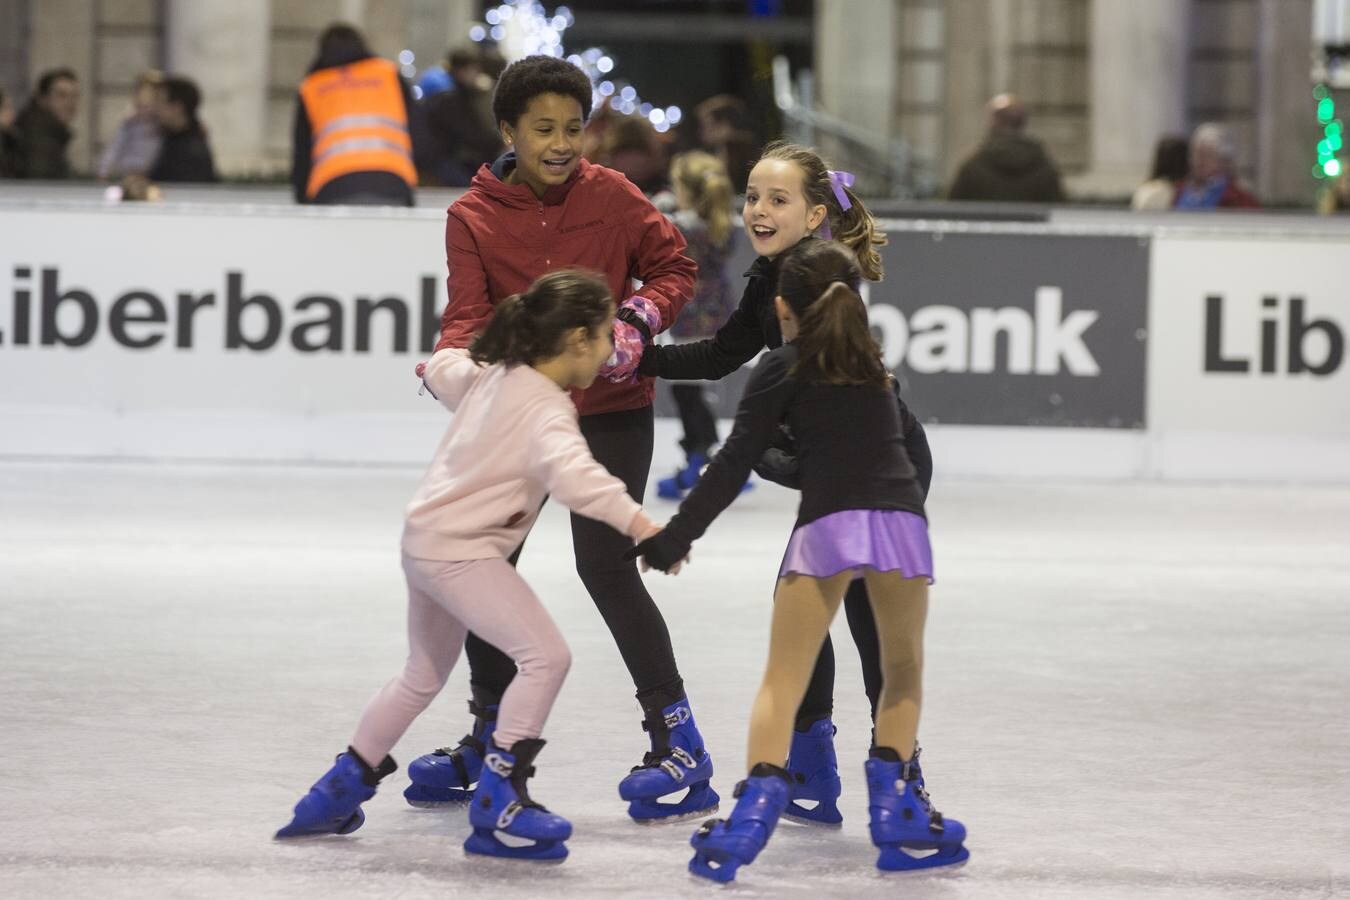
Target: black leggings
(700,425)
(622,443)
(819,700)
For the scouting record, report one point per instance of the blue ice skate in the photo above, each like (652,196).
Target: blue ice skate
(503,804)
(721,846)
(676,762)
(684,479)
(447,776)
(815,776)
(903,819)
(333,804)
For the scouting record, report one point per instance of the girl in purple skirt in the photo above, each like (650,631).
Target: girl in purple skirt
(862,513)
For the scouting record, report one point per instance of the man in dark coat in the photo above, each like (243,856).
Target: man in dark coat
(185,154)
(1010,166)
(42,132)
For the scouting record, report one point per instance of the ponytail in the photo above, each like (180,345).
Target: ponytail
(834,343)
(532,326)
(704,180)
(855,227)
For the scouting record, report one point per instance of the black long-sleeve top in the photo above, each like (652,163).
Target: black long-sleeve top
(850,447)
(751,328)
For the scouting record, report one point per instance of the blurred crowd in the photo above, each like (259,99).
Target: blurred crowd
(363,134)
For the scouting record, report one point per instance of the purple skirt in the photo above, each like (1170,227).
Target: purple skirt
(886,540)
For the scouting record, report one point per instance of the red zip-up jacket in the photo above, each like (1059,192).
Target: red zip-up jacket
(500,237)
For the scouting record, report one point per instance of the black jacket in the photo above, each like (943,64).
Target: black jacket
(750,329)
(852,451)
(185,156)
(39,145)
(1008,168)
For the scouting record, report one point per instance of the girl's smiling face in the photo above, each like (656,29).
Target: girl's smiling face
(777,214)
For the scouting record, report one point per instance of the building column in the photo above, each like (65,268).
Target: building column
(1138,54)
(62,35)
(1286,124)
(223,47)
(847,32)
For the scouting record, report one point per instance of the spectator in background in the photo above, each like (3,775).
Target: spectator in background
(1010,166)
(724,131)
(631,146)
(42,132)
(184,154)
(353,133)
(461,133)
(8,141)
(1170,167)
(135,146)
(1213,181)
(1336,198)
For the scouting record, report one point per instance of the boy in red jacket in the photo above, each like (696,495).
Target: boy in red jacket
(538,208)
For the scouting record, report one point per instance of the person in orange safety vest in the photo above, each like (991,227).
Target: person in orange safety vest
(354,125)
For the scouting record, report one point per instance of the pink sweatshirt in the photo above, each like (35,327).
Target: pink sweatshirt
(514,439)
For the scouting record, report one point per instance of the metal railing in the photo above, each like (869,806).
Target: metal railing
(885,166)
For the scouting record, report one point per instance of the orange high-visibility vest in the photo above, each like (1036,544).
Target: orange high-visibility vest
(358,123)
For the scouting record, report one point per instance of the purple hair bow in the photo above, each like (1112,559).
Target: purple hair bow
(839,181)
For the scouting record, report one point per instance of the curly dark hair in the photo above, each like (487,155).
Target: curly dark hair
(527,78)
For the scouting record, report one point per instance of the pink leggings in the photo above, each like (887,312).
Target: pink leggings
(446,600)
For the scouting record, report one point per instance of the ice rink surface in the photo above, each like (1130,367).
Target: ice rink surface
(1133,690)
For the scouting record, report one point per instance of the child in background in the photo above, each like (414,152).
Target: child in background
(792,195)
(861,512)
(136,143)
(703,201)
(514,439)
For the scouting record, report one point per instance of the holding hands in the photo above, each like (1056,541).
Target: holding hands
(635,323)
(659,549)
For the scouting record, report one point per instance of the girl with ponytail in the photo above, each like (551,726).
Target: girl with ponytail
(792,199)
(514,440)
(861,514)
(703,199)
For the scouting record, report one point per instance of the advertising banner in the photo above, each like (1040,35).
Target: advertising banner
(1250,336)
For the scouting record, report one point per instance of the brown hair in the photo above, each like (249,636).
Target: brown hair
(704,179)
(533,326)
(819,281)
(854,227)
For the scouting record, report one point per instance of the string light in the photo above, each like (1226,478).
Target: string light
(523,28)
(1333,138)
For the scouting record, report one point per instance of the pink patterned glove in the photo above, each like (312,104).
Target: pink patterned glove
(635,323)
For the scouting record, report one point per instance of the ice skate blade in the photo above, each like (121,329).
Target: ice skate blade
(424,797)
(295,830)
(824,814)
(672,818)
(484,843)
(722,870)
(700,800)
(894,859)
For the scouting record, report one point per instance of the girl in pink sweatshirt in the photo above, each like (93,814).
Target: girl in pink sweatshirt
(514,440)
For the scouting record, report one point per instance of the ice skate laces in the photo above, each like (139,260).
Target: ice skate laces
(909,777)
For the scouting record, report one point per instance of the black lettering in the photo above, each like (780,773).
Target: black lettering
(187,309)
(122,316)
(365,309)
(1269,332)
(331,323)
(1298,330)
(1214,359)
(22,306)
(236,304)
(431,316)
(51,302)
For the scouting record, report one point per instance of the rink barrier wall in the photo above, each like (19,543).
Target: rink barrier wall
(1098,348)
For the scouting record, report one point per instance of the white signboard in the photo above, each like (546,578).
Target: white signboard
(276,334)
